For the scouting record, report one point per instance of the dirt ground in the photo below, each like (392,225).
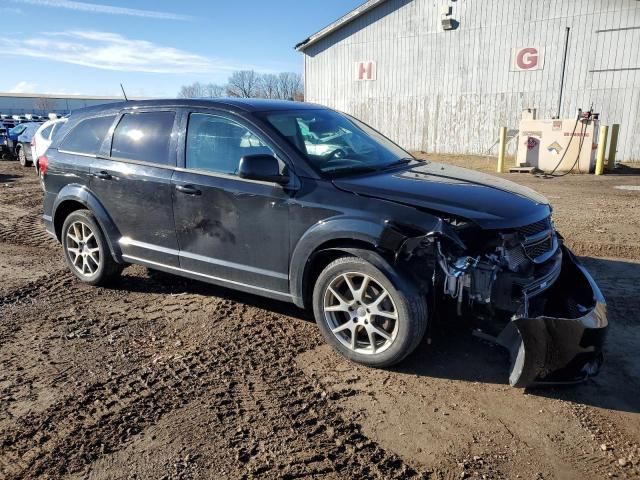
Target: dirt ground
(159,377)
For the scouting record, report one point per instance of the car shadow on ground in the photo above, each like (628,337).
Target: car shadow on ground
(165,283)
(451,352)
(456,355)
(618,384)
(7,178)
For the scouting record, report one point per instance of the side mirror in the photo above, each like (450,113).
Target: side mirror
(261,167)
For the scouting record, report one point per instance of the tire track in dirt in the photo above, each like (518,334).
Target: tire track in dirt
(21,211)
(103,417)
(26,229)
(13,302)
(28,196)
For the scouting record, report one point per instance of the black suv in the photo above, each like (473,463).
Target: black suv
(300,203)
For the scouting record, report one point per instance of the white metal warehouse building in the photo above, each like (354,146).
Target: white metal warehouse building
(443,75)
(42,103)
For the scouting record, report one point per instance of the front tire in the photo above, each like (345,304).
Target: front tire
(86,250)
(370,315)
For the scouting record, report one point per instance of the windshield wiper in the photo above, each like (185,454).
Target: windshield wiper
(368,168)
(401,161)
(351,169)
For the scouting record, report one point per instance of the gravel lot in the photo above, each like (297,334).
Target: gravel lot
(160,377)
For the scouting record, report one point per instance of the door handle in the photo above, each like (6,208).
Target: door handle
(188,190)
(103,176)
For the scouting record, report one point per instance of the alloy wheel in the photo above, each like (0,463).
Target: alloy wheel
(22,157)
(82,249)
(361,313)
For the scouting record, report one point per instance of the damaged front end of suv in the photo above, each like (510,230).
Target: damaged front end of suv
(521,288)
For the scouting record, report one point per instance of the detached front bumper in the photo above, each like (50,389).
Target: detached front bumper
(564,345)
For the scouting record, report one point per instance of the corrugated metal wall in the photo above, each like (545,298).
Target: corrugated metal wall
(449,91)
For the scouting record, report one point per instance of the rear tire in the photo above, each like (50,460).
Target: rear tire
(86,250)
(22,157)
(370,315)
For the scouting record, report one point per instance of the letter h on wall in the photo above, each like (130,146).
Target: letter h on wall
(365,70)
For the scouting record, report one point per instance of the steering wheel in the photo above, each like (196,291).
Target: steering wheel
(337,154)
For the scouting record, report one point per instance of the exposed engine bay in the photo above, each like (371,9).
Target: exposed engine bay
(520,287)
(505,272)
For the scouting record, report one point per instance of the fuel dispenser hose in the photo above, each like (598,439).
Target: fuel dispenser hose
(552,172)
(583,132)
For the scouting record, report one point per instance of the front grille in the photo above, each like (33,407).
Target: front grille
(535,250)
(538,243)
(545,276)
(535,228)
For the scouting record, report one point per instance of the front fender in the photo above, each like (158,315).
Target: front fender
(81,194)
(324,231)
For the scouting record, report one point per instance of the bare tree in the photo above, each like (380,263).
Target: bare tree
(244,84)
(192,91)
(249,84)
(214,90)
(289,85)
(200,90)
(269,85)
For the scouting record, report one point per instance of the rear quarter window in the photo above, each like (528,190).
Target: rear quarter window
(56,129)
(144,137)
(87,136)
(46,132)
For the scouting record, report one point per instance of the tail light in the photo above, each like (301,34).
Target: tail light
(43,163)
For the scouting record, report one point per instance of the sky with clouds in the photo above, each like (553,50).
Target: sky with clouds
(152,47)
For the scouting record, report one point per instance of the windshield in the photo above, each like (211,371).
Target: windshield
(18,130)
(335,143)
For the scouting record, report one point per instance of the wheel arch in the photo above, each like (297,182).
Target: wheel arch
(77,197)
(325,242)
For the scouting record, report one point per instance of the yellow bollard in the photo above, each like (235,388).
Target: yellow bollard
(501,149)
(613,146)
(602,145)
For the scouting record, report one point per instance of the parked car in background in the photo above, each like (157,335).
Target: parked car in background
(22,144)
(8,123)
(13,132)
(304,204)
(42,139)
(4,142)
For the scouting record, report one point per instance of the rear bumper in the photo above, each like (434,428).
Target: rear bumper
(565,344)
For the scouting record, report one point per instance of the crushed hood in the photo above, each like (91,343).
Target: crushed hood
(489,201)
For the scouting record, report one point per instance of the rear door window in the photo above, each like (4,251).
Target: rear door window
(87,136)
(144,137)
